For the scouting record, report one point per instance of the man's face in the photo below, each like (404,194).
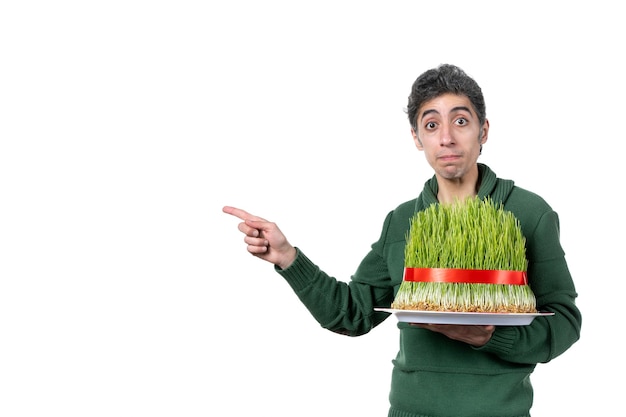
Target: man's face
(450,134)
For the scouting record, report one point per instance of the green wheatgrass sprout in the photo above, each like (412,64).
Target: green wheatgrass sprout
(469,234)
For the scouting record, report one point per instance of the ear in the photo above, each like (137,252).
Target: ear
(416,139)
(485,132)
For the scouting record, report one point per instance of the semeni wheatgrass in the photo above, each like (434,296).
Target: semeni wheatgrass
(472,234)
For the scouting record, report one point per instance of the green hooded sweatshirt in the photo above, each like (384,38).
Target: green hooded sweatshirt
(434,376)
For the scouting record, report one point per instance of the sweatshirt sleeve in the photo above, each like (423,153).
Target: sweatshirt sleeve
(549,277)
(343,307)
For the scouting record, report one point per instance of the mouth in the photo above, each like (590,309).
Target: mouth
(449,157)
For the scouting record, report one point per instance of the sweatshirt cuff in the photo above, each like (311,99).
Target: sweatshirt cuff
(300,273)
(501,341)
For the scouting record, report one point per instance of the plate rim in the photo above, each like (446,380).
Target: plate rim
(463,317)
(463,313)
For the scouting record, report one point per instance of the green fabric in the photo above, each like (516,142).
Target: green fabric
(434,376)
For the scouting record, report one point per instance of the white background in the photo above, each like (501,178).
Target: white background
(125,126)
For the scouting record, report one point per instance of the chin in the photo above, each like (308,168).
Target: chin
(451,173)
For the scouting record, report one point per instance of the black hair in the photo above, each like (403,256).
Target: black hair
(444,79)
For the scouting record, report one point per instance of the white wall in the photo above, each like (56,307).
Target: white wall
(127,125)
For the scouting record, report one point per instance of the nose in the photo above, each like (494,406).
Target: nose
(446,138)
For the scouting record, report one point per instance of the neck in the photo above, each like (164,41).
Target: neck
(452,189)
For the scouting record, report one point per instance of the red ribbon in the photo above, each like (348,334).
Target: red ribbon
(470,276)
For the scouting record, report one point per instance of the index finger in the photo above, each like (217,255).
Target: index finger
(242,214)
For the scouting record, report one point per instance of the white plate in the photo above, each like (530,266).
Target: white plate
(451,317)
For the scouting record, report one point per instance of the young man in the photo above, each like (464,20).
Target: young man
(442,370)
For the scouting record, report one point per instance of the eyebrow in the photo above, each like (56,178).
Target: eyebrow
(454,109)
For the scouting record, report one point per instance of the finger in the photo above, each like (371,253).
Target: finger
(234,211)
(258,250)
(242,214)
(248,230)
(257,245)
(259,224)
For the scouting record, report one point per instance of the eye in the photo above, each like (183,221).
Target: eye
(431,125)
(461,121)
